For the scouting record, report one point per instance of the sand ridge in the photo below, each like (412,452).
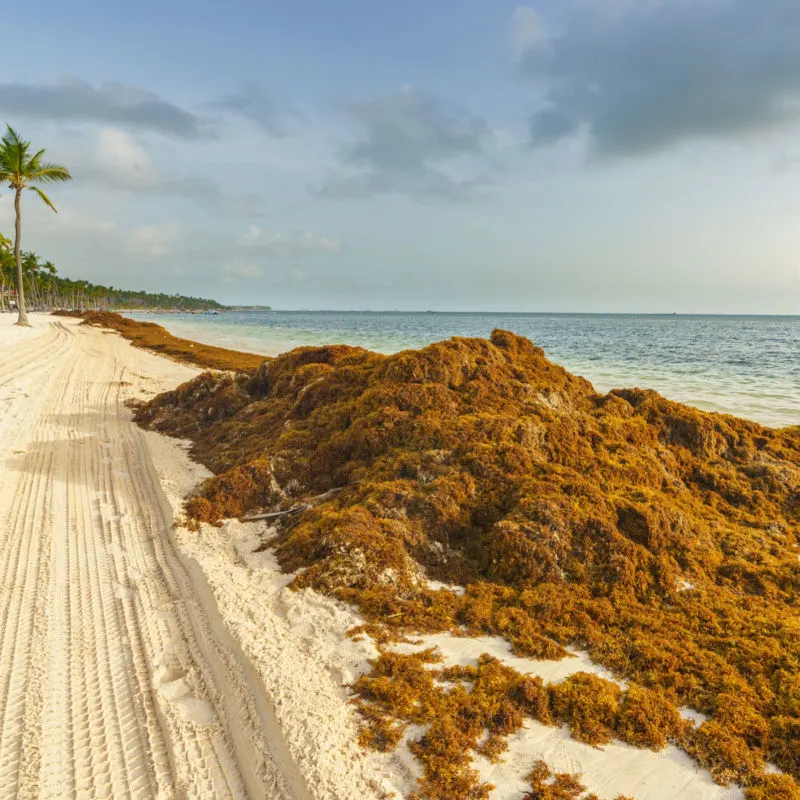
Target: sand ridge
(113,681)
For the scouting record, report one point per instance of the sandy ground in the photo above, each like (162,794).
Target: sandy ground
(142,660)
(295,642)
(115,679)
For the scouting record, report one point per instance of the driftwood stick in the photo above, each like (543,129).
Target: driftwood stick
(326,495)
(277,514)
(320,498)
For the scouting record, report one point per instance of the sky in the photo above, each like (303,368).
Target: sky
(567,155)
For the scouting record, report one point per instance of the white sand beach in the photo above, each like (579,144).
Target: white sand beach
(117,678)
(143,660)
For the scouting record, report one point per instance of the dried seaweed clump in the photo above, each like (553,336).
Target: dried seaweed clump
(545,785)
(773,787)
(589,705)
(150,336)
(473,710)
(661,539)
(466,710)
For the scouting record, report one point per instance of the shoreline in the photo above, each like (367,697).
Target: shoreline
(201,353)
(604,349)
(156,339)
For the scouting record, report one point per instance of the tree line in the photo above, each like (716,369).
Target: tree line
(46,290)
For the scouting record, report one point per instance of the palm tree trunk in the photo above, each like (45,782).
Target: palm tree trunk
(23,315)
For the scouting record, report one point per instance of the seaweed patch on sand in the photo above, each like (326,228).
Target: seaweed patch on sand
(661,539)
(150,336)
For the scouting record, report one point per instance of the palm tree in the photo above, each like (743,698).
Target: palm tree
(20,171)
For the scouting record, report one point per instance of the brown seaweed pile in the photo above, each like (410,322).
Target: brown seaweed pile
(149,336)
(662,539)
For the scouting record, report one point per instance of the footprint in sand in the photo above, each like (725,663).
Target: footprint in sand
(174,688)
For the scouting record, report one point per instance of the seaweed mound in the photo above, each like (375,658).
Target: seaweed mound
(662,539)
(149,336)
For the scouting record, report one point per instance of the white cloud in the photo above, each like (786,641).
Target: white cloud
(527,31)
(256,241)
(155,240)
(37,218)
(112,158)
(251,237)
(255,244)
(242,270)
(273,114)
(118,155)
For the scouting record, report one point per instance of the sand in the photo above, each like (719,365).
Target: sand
(113,682)
(143,660)
(115,679)
(296,643)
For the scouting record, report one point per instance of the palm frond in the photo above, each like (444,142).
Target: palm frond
(35,161)
(18,169)
(44,197)
(49,173)
(8,162)
(12,136)
(14,151)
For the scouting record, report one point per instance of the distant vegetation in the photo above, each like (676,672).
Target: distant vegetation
(46,290)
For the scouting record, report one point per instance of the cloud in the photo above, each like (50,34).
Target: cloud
(119,161)
(95,233)
(155,240)
(74,100)
(527,31)
(242,270)
(412,143)
(69,220)
(118,158)
(272,114)
(115,160)
(642,77)
(256,245)
(256,242)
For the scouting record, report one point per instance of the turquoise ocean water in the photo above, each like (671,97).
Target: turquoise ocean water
(748,366)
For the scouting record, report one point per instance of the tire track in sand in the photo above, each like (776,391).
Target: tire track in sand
(112,682)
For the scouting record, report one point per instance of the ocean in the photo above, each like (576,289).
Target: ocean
(743,365)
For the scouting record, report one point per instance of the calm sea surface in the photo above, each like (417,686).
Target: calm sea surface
(748,366)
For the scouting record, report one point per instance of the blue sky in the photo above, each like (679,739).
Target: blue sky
(586,155)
